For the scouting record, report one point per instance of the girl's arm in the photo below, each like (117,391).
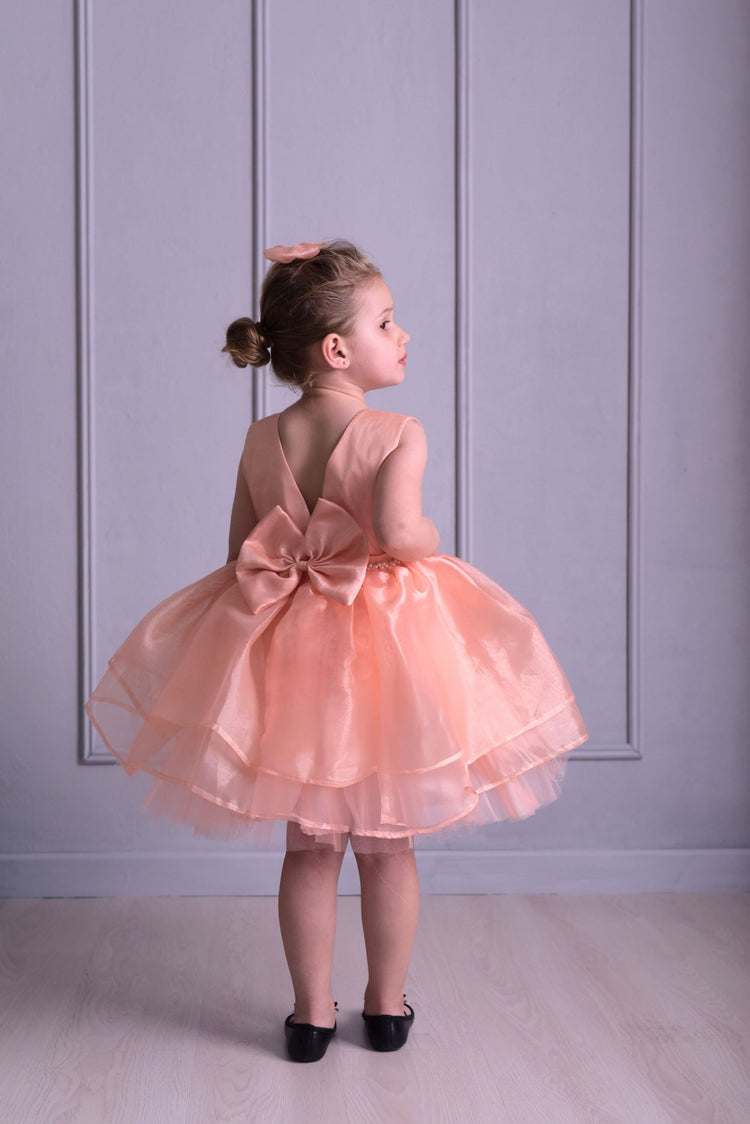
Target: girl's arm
(397,520)
(243,517)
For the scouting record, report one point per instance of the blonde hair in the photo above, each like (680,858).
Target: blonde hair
(301,302)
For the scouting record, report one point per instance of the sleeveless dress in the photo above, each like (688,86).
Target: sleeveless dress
(318,681)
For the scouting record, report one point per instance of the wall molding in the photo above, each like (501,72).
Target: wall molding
(215,874)
(630,750)
(258,203)
(91,750)
(462,246)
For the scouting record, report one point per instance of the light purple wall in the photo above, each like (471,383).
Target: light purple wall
(598,180)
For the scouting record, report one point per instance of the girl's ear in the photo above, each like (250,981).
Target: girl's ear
(334,351)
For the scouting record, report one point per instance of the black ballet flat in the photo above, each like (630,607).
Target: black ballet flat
(305,1042)
(388,1032)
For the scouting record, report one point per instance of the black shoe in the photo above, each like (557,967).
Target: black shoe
(305,1042)
(388,1032)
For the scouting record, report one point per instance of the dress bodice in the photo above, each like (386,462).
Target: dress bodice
(350,473)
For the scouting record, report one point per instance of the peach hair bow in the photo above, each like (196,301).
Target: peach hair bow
(276,556)
(290,253)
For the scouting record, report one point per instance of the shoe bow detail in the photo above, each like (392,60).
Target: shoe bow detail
(331,554)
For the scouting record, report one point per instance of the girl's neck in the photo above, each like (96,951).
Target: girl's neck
(321,390)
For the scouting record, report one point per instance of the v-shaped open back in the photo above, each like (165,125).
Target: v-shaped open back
(349,473)
(332,454)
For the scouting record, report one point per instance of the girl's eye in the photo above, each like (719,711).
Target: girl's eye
(384,323)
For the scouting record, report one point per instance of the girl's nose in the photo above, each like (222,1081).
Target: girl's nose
(405,336)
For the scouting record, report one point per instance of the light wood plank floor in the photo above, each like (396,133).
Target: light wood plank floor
(617,1009)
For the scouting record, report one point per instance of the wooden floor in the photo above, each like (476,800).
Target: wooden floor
(632,1009)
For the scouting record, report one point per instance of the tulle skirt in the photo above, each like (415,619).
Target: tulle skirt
(432,702)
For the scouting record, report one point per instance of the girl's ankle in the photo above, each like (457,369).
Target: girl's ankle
(383,1003)
(318,1014)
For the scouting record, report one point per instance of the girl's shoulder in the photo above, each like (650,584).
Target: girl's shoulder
(389,414)
(259,438)
(262,426)
(383,431)
(395,431)
(389,420)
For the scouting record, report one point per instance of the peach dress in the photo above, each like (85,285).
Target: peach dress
(319,681)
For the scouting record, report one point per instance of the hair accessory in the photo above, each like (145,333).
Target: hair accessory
(290,253)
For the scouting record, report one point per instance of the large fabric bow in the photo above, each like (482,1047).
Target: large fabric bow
(276,556)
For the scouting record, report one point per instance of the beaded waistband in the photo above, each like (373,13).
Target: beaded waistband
(385,564)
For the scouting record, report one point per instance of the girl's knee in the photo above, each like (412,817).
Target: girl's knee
(384,860)
(381,849)
(322,858)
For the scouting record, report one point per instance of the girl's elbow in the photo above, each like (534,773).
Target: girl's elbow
(412,542)
(392,537)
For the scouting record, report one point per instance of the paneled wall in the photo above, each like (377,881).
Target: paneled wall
(555,194)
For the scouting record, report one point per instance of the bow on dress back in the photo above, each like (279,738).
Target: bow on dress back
(276,556)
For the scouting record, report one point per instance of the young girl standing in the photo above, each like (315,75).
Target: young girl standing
(337,673)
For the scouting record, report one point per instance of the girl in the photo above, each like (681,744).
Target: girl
(337,673)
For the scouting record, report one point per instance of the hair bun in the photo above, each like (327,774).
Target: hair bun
(247,343)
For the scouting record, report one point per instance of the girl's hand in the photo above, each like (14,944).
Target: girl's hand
(397,520)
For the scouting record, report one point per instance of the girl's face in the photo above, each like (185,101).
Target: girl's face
(376,348)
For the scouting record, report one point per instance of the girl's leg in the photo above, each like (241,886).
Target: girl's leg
(390,912)
(307,917)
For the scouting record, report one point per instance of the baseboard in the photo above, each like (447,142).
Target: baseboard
(137,874)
